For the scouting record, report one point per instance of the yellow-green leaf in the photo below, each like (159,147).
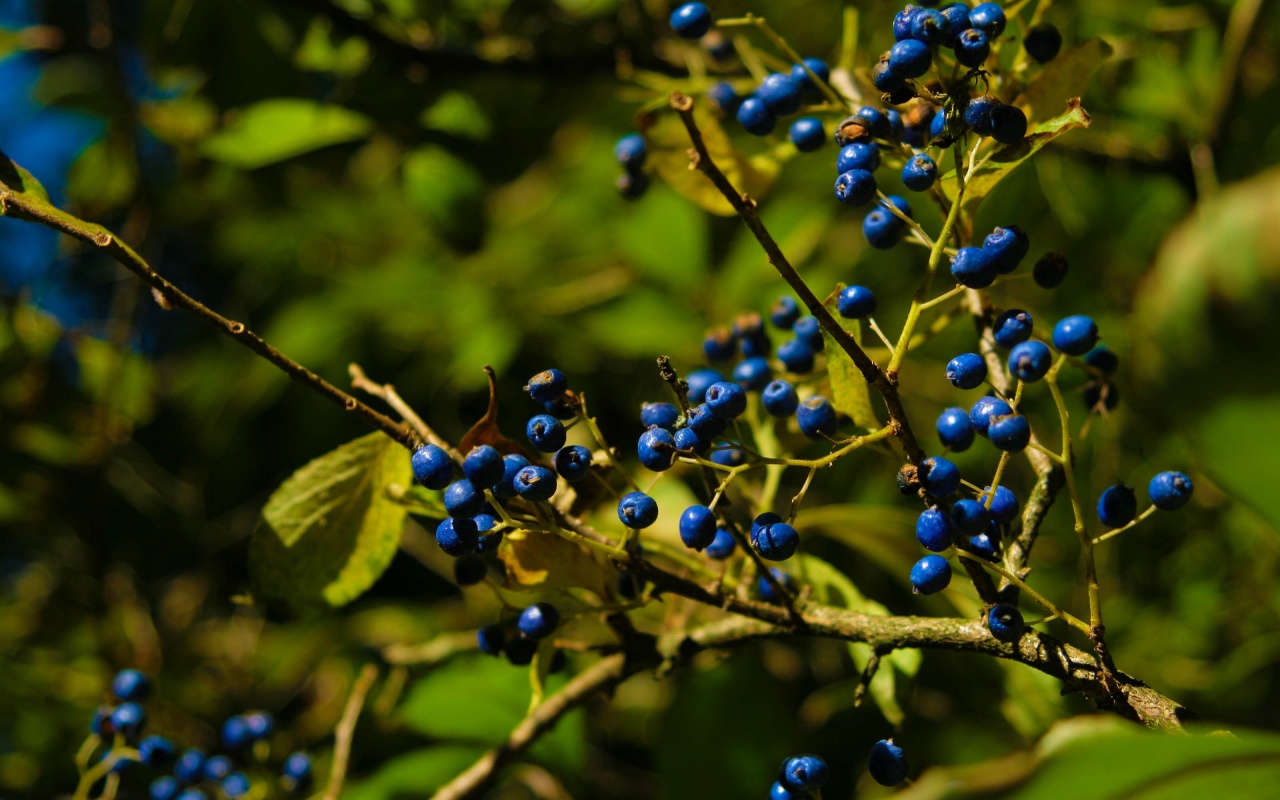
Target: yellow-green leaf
(540,561)
(281,128)
(850,393)
(1065,77)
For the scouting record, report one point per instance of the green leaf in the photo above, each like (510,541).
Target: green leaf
(1063,78)
(279,129)
(850,393)
(669,156)
(1004,160)
(415,774)
(331,530)
(458,113)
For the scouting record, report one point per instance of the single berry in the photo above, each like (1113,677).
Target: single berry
(977,115)
(688,440)
(810,330)
(631,152)
(973,267)
(939,476)
(776,542)
(483,466)
(897,128)
(190,766)
(756,118)
(934,530)
(192,794)
(573,462)
(780,93)
(1075,335)
(156,751)
(785,312)
(982,545)
(857,187)
(547,385)
(100,724)
(236,732)
(957,15)
(882,229)
(463,499)
(779,398)
(538,621)
(216,768)
(780,792)
(885,79)
(720,344)
(876,119)
(128,719)
(1043,43)
(920,172)
(545,432)
(691,20)
(797,356)
(856,302)
(1007,246)
(817,418)
(1004,506)
(1117,506)
(1010,433)
(235,785)
(520,650)
(656,449)
(753,374)
(888,764)
(1050,271)
(930,27)
(988,17)
(807,134)
(1168,491)
(902,22)
(967,371)
(801,73)
(765,589)
(931,574)
(1102,360)
(297,767)
(726,400)
(972,48)
(505,489)
(130,684)
(637,510)
(985,410)
(858,155)
(851,129)
(937,126)
(659,415)
(954,429)
(1012,327)
(722,546)
(698,381)
(910,58)
(468,571)
(536,483)
(969,517)
(1005,622)
(1008,124)
(163,788)
(1030,360)
(697,527)
(703,421)
(488,542)
(432,467)
(804,773)
(632,185)
(724,98)
(489,639)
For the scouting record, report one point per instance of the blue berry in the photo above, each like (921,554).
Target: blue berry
(216,768)
(469,570)
(810,330)
(691,20)
(1043,43)
(488,638)
(1102,360)
(100,724)
(933,529)
(1117,506)
(688,440)
(1004,507)
(776,542)
(930,27)
(939,476)
(954,429)
(780,792)
(1050,270)
(128,719)
(897,128)
(632,185)
(858,155)
(982,545)
(260,725)
(972,48)
(856,302)
(727,400)
(545,432)
(749,328)
(656,449)
(988,17)
(505,489)
(723,546)
(520,651)
(724,98)
(882,229)
(729,456)
(765,589)
(937,125)
(779,398)
(719,344)
(190,766)
(235,785)
(780,93)
(902,22)
(463,499)
(967,371)
(755,117)
(1008,246)
(1008,124)
(192,794)
(537,483)
(973,267)
(920,172)
(130,684)
(887,764)
(931,574)
(753,374)
(432,467)
(885,79)
(562,408)
(785,312)
(876,119)
(631,152)
(483,466)
(1030,360)
(804,773)
(910,58)
(573,462)
(1005,622)
(637,510)
(156,751)
(984,410)
(488,542)
(297,766)
(957,15)
(817,418)
(807,134)
(698,381)
(547,385)
(163,788)
(538,621)
(659,415)
(796,356)
(1168,491)
(1075,335)
(697,527)
(857,187)
(235,732)
(819,68)
(1012,327)
(703,421)
(969,517)
(1011,433)
(977,115)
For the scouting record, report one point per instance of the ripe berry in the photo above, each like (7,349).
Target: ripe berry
(857,187)
(537,483)
(888,764)
(930,27)
(902,22)
(1011,433)
(163,788)
(463,499)
(563,408)
(520,650)
(688,440)
(1050,271)
(1168,491)
(659,415)
(876,120)
(954,429)
(505,489)
(190,766)
(969,517)
(483,466)
(984,410)
(1075,335)
(882,229)
(807,134)
(810,331)
(765,589)
(1004,507)
(972,48)
(457,536)
(637,510)
(804,773)
(488,542)
(1102,360)
(235,785)
(780,792)
(1007,246)
(130,684)
(538,621)
(753,374)
(1030,360)
(910,58)
(977,115)
(573,462)
(776,542)
(1005,622)
(933,529)
(128,719)
(100,724)
(547,385)
(755,117)
(698,381)
(967,371)
(920,172)
(957,15)
(545,432)
(856,302)
(939,476)
(156,751)
(897,128)
(192,794)
(260,725)
(691,20)
(702,421)
(697,527)
(468,571)
(930,574)
(817,418)
(724,98)
(632,185)
(780,93)
(489,639)
(656,449)
(989,17)
(982,545)
(785,312)
(796,356)
(432,467)
(818,67)
(973,267)
(858,155)
(1117,506)
(1012,327)
(723,545)
(631,152)
(1043,43)
(779,398)
(1008,124)
(937,126)
(217,768)
(297,767)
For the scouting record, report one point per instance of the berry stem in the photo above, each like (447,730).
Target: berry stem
(1114,533)
(1044,602)
(781,43)
(995,480)
(346,730)
(942,298)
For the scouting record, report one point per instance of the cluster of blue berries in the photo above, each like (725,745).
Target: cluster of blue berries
(520,637)
(193,775)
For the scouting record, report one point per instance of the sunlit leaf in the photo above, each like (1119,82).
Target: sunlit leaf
(279,129)
(537,561)
(1063,78)
(850,393)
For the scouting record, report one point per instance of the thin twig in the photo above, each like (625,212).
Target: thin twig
(346,730)
(387,393)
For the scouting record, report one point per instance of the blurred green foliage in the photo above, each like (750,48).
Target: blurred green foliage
(427,187)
